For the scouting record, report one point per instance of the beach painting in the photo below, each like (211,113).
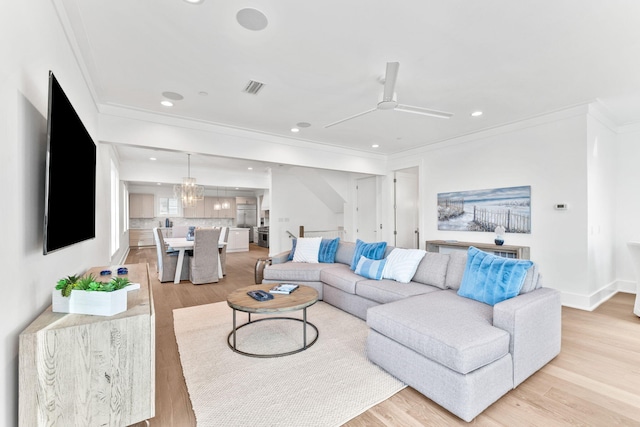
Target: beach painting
(484,210)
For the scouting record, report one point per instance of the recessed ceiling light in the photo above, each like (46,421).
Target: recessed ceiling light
(167,103)
(294,130)
(375,146)
(194,1)
(152,158)
(250,168)
(476,114)
(252,19)
(158,183)
(173,95)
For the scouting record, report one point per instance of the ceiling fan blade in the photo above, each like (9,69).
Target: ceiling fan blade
(351,117)
(390,81)
(423,111)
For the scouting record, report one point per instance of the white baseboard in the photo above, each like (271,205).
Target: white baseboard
(592,301)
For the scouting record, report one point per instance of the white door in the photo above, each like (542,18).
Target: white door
(406,208)
(366,209)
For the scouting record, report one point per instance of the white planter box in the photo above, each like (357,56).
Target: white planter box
(96,303)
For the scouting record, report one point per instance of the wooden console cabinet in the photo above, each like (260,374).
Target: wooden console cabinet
(81,370)
(507,251)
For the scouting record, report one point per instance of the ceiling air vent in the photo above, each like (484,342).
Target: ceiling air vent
(253,87)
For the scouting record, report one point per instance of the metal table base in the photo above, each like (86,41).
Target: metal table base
(232,334)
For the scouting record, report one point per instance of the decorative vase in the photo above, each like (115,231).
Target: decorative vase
(499,242)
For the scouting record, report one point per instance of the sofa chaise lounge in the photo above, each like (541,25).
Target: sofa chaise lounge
(461,353)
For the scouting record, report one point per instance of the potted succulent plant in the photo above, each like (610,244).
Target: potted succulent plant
(87,295)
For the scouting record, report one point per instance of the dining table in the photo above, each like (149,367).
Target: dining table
(181,244)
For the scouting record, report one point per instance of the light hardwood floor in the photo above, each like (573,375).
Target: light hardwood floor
(595,381)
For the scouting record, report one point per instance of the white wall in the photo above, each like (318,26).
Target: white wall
(601,176)
(627,192)
(293,205)
(32,44)
(549,154)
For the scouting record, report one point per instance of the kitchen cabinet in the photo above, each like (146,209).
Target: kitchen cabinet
(141,205)
(82,370)
(238,240)
(207,208)
(141,237)
(195,212)
(245,200)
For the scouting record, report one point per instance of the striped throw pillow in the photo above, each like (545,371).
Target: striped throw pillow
(402,264)
(369,268)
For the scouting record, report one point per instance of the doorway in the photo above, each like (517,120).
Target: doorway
(366,209)
(406,208)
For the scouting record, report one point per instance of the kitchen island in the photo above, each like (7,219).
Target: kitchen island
(238,240)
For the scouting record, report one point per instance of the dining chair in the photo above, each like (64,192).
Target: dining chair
(203,267)
(179,230)
(224,238)
(168,261)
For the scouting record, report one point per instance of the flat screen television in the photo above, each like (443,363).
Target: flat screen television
(70,186)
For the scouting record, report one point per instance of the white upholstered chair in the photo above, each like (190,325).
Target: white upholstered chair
(168,261)
(203,267)
(179,230)
(224,238)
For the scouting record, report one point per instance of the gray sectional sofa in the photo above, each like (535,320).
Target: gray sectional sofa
(460,353)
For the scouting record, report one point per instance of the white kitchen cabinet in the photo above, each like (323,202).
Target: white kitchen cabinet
(238,240)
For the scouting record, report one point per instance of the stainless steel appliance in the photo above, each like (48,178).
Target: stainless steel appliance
(247,217)
(263,237)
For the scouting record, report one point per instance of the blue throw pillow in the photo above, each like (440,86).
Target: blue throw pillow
(328,249)
(374,251)
(490,278)
(371,269)
(293,250)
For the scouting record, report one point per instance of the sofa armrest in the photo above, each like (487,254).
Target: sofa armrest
(280,258)
(261,263)
(534,322)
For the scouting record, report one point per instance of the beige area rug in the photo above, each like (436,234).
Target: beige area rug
(326,385)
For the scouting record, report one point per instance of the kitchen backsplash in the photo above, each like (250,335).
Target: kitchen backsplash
(198,222)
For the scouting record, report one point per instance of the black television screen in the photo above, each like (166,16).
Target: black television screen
(70,187)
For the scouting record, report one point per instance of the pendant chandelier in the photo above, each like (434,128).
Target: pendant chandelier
(189,192)
(225,201)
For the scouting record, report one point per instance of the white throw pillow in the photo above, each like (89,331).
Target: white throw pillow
(402,264)
(307,249)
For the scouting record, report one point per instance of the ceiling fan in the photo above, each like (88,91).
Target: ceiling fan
(389,101)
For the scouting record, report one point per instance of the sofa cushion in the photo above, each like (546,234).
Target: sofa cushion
(386,290)
(491,278)
(294,272)
(374,251)
(326,253)
(455,269)
(533,280)
(341,277)
(444,327)
(371,269)
(402,264)
(344,254)
(328,249)
(432,270)
(307,249)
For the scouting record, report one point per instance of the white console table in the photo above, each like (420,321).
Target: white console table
(81,370)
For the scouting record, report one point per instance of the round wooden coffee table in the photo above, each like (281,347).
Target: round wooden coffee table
(300,299)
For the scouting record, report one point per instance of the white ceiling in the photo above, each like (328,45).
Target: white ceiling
(322,61)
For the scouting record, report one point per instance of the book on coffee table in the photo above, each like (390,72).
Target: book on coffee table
(283,288)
